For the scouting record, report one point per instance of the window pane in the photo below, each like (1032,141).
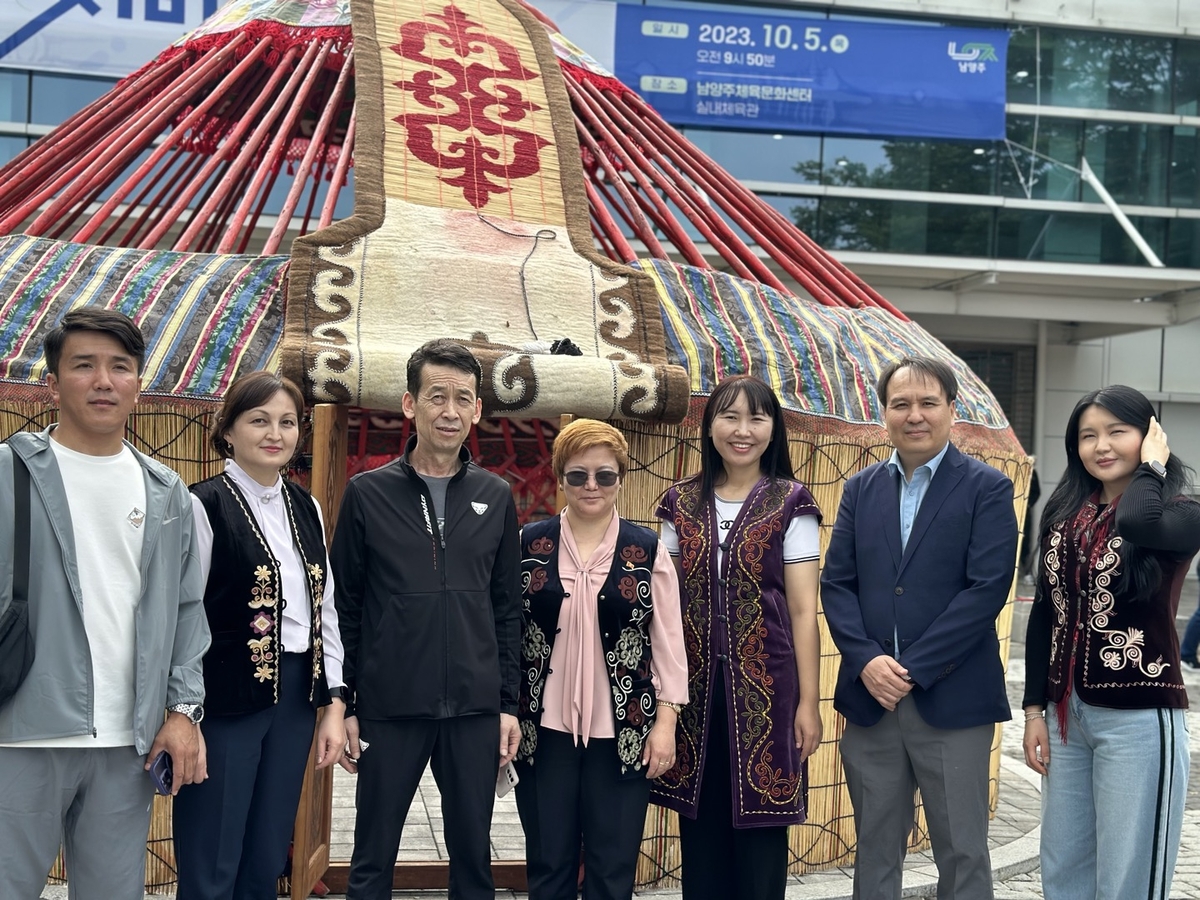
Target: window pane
(1185,158)
(1187,78)
(58,97)
(1059,139)
(1074,237)
(10,146)
(1130,161)
(762,157)
(954,166)
(1183,249)
(901,227)
(1090,69)
(14,96)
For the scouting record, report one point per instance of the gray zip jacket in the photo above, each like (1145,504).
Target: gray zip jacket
(57,698)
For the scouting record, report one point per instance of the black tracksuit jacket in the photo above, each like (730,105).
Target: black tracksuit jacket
(431,622)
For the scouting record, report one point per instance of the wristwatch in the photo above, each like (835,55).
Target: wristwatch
(1157,468)
(194,711)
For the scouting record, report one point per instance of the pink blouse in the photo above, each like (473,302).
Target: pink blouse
(578,696)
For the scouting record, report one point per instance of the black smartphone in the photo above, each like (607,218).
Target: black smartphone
(161,772)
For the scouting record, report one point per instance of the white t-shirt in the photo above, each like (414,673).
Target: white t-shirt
(106,496)
(801,541)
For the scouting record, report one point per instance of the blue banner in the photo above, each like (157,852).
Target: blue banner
(774,73)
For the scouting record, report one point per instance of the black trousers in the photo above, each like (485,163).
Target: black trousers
(232,831)
(571,794)
(721,862)
(465,755)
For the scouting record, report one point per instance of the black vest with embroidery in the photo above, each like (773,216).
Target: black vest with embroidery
(624,611)
(244,601)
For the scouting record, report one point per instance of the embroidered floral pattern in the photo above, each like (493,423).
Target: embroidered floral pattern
(534,645)
(629,749)
(529,739)
(732,618)
(626,656)
(629,649)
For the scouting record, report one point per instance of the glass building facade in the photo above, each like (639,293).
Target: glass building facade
(1130,104)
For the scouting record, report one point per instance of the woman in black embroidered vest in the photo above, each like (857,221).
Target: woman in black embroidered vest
(744,534)
(276,655)
(1102,655)
(597,706)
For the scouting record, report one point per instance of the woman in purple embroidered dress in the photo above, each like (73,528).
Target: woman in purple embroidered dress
(1102,655)
(744,534)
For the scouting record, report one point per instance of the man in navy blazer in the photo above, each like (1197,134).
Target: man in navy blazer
(919,566)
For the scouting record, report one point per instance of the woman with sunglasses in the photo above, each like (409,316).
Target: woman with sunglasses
(276,653)
(744,534)
(597,706)
(1102,655)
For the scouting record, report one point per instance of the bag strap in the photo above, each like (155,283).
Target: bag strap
(21,534)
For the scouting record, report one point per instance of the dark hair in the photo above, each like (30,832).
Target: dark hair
(102,321)
(1140,572)
(775,462)
(442,352)
(246,393)
(926,366)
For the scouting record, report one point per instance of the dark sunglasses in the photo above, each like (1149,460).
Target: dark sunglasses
(604,478)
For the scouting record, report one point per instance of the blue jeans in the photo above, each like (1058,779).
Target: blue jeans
(1112,805)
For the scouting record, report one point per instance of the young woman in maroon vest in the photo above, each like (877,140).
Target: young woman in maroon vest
(276,655)
(744,534)
(1102,655)
(597,705)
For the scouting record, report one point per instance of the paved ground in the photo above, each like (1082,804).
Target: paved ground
(1014,832)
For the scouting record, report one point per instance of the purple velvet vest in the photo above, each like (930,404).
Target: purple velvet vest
(735,617)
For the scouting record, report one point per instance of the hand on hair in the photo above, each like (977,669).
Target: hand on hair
(1154,444)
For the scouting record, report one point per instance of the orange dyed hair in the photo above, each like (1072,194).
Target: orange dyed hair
(581,435)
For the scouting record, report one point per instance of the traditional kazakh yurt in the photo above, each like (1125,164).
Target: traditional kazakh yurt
(320,186)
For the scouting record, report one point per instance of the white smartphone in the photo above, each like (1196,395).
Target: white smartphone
(506,780)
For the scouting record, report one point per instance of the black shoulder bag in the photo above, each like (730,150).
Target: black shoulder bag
(16,640)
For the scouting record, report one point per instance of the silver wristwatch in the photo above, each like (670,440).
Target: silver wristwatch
(1157,468)
(194,711)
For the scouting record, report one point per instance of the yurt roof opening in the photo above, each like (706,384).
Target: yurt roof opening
(506,191)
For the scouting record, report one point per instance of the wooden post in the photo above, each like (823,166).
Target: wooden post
(314,817)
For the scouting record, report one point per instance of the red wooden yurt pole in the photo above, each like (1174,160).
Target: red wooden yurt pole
(723,239)
(723,194)
(38,161)
(661,214)
(776,229)
(47,184)
(638,224)
(290,103)
(187,167)
(173,140)
(233,139)
(99,164)
(622,252)
(622,210)
(339,172)
(333,106)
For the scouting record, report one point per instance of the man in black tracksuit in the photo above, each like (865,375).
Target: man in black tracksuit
(427,565)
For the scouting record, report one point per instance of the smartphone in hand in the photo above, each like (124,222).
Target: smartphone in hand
(162,773)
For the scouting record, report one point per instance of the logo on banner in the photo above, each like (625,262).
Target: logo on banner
(973,57)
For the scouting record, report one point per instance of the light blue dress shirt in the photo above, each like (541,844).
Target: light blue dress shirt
(911,494)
